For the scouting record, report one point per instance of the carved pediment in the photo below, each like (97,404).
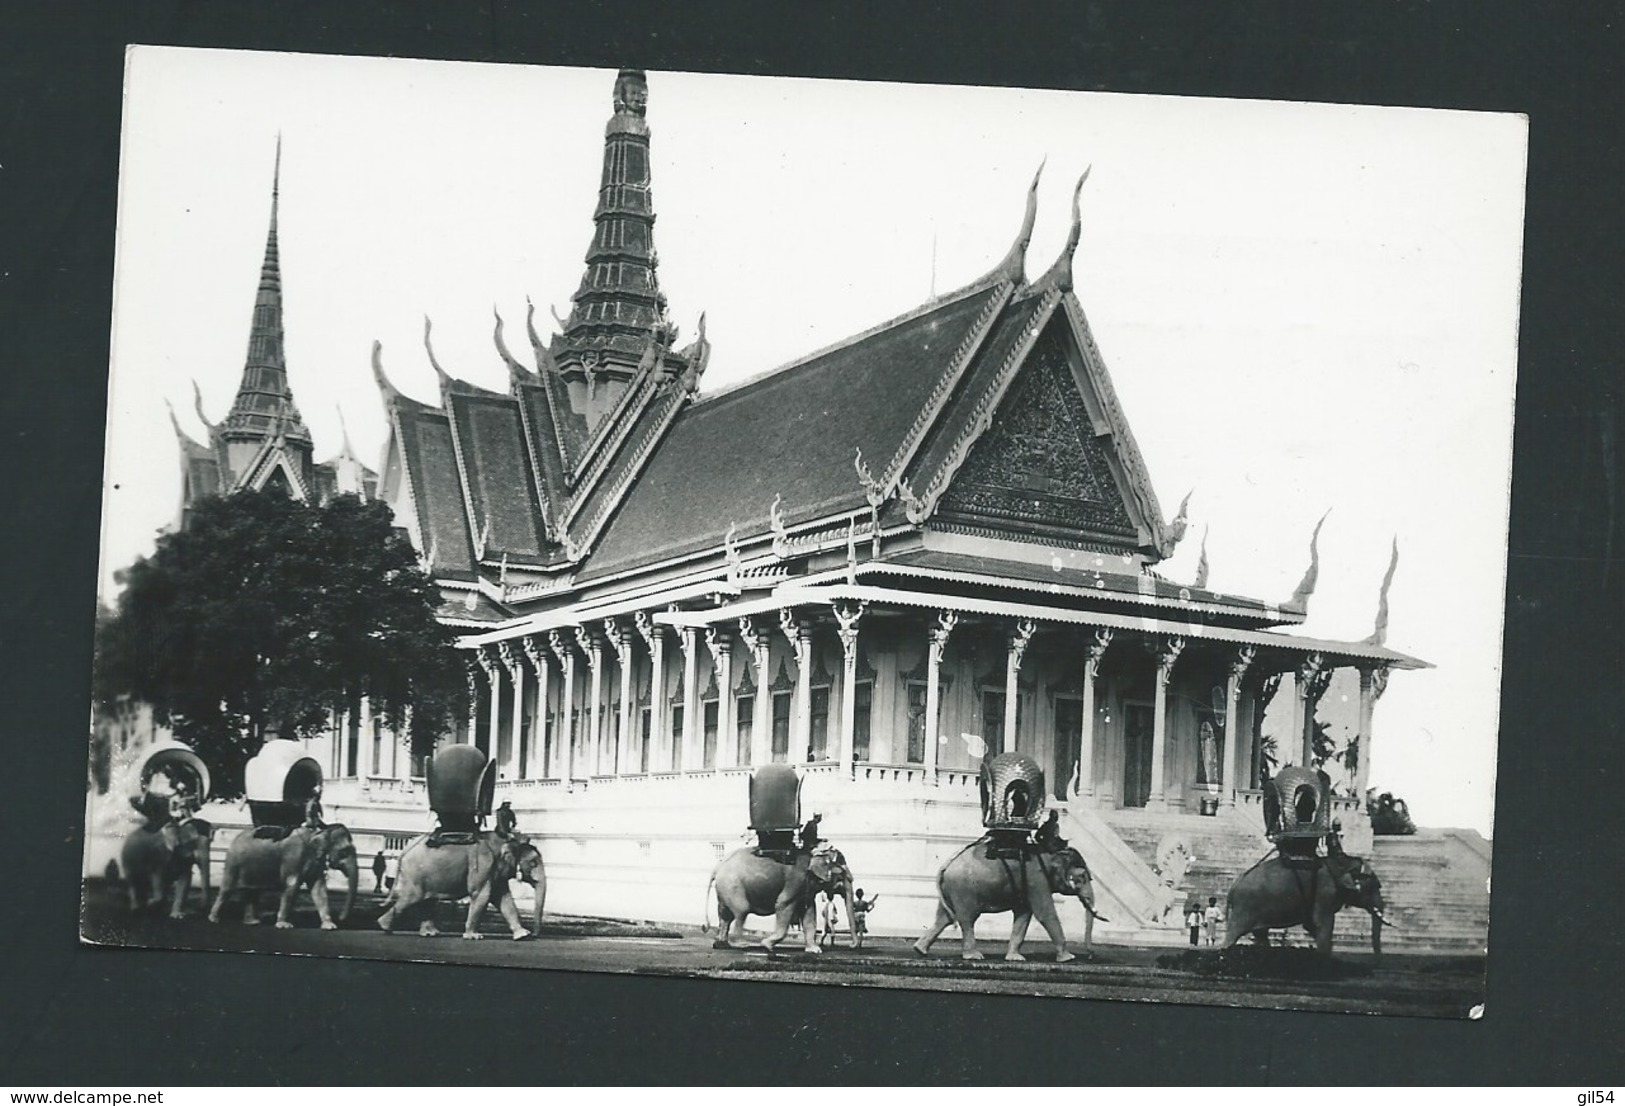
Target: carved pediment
(1040,462)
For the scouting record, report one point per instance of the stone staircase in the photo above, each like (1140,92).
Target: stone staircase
(1436,886)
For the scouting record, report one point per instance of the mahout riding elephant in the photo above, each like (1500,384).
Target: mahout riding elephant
(159,859)
(479,871)
(256,864)
(972,884)
(1277,893)
(750,884)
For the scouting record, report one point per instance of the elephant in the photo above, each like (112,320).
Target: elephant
(477,871)
(157,859)
(1278,894)
(746,884)
(300,859)
(972,884)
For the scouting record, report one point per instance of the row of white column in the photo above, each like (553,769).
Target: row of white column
(570,758)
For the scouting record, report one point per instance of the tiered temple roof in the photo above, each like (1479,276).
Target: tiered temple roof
(263,441)
(974,445)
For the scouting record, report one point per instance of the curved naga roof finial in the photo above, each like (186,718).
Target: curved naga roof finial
(1379,635)
(1059,276)
(445,377)
(1013,267)
(1175,532)
(1306,587)
(1201,564)
(197,405)
(516,371)
(385,388)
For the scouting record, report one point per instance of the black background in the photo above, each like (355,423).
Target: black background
(74,1016)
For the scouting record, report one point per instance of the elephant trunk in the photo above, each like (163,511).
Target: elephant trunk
(352,873)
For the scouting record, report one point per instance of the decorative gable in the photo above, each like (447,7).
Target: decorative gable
(1040,464)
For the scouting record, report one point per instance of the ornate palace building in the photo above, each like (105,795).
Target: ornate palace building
(930,542)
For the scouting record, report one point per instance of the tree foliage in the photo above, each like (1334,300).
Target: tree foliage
(267,613)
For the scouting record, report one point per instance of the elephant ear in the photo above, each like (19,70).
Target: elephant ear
(822,868)
(205,828)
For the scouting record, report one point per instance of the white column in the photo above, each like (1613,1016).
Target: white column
(565,758)
(693,754)
(493,727)
(846,618)
(536,762)
(402,752)
(509,769)
(1373,682)
(1093,652)
(799,637)
(1240,661)
(727,733)
(620,639)
(1019,640)
(473,670)
(946,621)
(594,650)
(758,641)
(654,639)
(365,765)
(1166,656)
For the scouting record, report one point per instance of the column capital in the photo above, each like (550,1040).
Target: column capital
(1167,654)
(536,653)
(716,640)
(1094,649)
(590,645)
(619,638)
(510,659)
(754,637)
(487,663)
(1241,659)
(939,634)
(1375,678)
(685,640)
(559,644)
(644,622)
(1020,638)
(847,615)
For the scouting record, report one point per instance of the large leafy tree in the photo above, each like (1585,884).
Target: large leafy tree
(268,614)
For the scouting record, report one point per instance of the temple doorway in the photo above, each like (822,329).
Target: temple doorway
(1067,744)
(1137,726)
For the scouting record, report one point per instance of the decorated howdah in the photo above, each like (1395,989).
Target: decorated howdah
(178,766)
(1302,796)
(462,786)
(775,798)
(1012,791)
(280,782)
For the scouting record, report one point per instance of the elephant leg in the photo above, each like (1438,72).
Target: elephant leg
(1044,911)
(1018,934)
(156,885)
(476,907)
(943,921)
(182,886)
(510,914)
(809,928)
(967,937)
(290,890)
(725,921)
(228,883)
(781,927)
(735,931)
(1323,933)
(318,895)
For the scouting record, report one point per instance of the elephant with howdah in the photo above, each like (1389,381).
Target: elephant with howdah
(479,870)
(747,883)
(974,883)
(302,858)
(160,859)
(1277,893)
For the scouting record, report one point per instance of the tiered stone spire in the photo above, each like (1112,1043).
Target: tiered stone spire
(618,307)
(264,404)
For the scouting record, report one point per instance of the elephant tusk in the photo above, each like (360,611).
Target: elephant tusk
(1383,918)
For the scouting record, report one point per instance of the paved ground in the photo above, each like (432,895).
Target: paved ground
(1438,986)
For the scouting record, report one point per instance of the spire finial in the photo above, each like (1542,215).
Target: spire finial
(1059,276)
(344,434)
(1013,267)
(197,406)
(516,371)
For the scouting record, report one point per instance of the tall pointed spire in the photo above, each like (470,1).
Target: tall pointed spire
(619,306)
(264,402)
